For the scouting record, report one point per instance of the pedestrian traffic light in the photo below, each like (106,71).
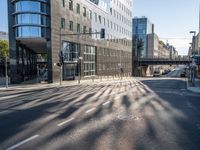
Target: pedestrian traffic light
(102,33)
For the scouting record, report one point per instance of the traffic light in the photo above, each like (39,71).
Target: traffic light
(102,33)
(58,64)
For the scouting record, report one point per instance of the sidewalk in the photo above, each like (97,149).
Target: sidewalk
(32,86)
(194,89)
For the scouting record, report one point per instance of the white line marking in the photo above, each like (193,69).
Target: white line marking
(23,142)
(106,103)
(62,123)
(90,110)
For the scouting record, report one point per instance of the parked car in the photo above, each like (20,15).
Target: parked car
(156,74)
(183,74)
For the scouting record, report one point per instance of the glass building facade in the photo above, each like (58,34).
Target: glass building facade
(31,18)
(142,27)
(28,25)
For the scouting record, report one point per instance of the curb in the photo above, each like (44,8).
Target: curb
(192,90)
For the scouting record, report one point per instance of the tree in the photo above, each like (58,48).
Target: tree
(4,50)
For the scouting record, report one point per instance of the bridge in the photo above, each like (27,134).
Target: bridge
(162,61)
(143,66)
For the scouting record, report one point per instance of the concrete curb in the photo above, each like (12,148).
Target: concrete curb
(193,89)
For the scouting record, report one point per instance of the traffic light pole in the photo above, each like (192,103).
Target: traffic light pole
(6,72)
(61,63)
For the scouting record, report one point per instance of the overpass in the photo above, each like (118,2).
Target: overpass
(162,61)
(143,66)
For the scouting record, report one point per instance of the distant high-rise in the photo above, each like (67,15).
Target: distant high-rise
(142,27)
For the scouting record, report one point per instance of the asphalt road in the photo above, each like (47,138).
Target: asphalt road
(176,72)
(154,114)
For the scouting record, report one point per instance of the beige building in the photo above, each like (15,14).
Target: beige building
(153,46)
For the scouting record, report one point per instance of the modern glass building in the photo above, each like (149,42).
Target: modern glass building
(142,27)
(47,27)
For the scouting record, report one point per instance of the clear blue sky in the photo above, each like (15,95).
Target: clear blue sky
(3,16)
(172,19)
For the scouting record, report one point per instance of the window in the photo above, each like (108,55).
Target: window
(84,29)
(95,14)
(90,31)
(63,3)
(84,11)
(71,25)
(70,4)
(78,8)
(99,19)
(78,28)
(62,23)
(89,60)
(90,14)
(28,31)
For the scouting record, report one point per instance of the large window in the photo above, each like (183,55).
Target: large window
(36,19)
(30,6)
(78,8)
(29,31)
(71,25)
(70,4)
(89,60)
(70,51)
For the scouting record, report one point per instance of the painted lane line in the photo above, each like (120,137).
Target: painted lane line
(104,104)
(88,111)
(23,142)
(62,123)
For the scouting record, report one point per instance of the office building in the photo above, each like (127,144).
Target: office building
(47,27)
(141,28)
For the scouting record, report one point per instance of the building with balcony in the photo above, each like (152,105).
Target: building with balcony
(47,27)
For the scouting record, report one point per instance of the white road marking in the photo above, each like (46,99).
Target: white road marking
(23,142)
(104,104)
(88,111)
(62,123)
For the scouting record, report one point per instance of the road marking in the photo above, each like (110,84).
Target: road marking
(23,142)
(104,104)
(88,111)
(62,123)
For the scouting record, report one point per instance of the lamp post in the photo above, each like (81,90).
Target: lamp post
(193,62)
(193,41)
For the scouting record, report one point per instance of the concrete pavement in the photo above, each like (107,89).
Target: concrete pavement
(123,114)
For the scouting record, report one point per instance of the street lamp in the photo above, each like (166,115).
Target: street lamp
(193,42)
(193,62)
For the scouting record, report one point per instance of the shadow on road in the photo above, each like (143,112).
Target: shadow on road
(135,117)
